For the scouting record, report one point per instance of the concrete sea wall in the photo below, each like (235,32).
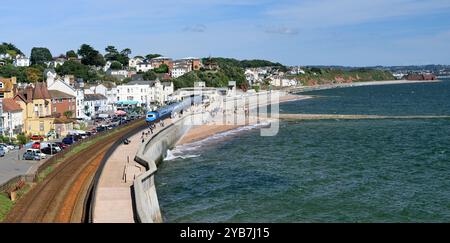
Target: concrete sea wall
(150,154)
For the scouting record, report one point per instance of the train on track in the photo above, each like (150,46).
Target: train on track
(173,109)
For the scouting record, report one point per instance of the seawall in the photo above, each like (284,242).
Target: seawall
(150,154)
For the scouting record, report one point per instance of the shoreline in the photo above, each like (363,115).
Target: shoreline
(356,84)
(202,132)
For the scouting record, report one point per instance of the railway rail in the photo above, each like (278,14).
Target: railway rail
(62,195)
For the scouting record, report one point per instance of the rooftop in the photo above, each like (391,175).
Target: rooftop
(10,105)
(59,94)
(92,97)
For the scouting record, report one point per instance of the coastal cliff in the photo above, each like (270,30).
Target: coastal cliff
(321,76)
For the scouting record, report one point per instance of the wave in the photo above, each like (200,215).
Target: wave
(178,154)
(191,150)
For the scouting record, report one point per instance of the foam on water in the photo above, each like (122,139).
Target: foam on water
(192,150)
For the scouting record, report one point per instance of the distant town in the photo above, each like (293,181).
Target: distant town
(49,96)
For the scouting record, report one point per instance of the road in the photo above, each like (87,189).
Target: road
(11,166)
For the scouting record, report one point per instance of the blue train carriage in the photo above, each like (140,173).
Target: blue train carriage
(172,109)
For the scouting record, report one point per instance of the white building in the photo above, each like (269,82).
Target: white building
(94,104)
(12,117)
(5,56)
(144,67)
(21,61)
(283,82)
(109,90)
(119,74)
(180,68)
(133,62)
(163,91)
(65,85)
(145,93)
(107,66)
(139,91)
(59,61)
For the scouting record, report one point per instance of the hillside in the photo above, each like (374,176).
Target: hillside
(315,76)
(229,69)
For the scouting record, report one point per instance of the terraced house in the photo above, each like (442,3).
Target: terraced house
(63,104)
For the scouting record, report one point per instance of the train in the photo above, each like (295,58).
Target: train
(171,109)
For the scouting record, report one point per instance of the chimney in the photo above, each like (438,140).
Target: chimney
(29,93)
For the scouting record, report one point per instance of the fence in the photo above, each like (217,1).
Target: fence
(33,174)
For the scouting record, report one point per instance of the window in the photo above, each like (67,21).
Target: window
(2,95)
(1,85)
(41,126)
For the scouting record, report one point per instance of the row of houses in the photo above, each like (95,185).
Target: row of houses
(18,60)
(272,76)
(32,109)
(177,68)
(59,102)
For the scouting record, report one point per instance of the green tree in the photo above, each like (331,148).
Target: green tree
(77,69)
(149,75)
(111,54)
(90,56)
(22,139)
(34,74)
(68,114)
(115,65)
(5,47)
(40,55)
(114,55)
(10,70)
(71,54)
(163,68)
(126,52)
(151,56)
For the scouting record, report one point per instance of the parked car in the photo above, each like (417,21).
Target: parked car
(37,137)
(4,147)
(44,145)
(37,152)
(49,150)
(36,145)
(2,152)
(31,156)
(8,146)
(101,128)
(68,140)
(61,145)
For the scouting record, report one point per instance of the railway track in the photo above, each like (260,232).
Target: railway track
(60,197)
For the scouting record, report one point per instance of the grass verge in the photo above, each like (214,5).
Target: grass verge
(5,205)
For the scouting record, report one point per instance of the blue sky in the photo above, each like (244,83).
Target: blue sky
(293,32)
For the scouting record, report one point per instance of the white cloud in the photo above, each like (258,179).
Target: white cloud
(282,30)
(195,28)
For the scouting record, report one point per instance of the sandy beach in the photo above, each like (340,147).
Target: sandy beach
(198,133)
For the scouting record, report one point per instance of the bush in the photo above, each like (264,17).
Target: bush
(22,139)
(4,139)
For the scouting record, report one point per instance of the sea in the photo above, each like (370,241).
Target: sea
(387,170)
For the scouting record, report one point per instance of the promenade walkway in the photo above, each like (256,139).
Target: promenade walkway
(113,202)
